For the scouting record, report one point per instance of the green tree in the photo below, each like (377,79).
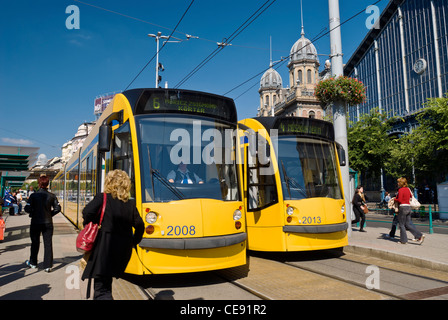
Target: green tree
(430,140)
(425,149)
(368,143)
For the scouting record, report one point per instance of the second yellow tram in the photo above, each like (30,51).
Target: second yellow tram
(293,186)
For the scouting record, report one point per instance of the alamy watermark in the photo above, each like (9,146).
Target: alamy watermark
(373,280)
(73,20)
(188,146)
(373,20)
(72,280)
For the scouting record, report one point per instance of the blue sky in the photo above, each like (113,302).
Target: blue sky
(50,75)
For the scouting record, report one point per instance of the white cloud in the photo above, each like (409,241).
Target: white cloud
(21,142)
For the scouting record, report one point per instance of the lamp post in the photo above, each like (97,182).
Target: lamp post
(339,108)
(157,36)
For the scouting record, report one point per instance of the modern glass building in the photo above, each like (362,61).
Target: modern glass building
(404,60)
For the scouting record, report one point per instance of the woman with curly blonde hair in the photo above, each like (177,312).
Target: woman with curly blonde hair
(115,239)
(118,184)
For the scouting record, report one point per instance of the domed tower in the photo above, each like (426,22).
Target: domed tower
(304,64)
(303,76)
(270,84)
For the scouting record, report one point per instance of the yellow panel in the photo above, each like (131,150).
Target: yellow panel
(303,241)
(162,261)
(266,239)
(218,217)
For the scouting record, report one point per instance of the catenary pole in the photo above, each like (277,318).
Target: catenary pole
(340,107)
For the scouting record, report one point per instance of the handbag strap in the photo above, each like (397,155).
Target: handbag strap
(103,208)
(412,195)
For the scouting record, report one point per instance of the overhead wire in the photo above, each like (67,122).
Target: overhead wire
(34,139)
(227,41)
(191,3)
(284,59)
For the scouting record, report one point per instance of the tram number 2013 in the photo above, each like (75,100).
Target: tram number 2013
(311,220)
(181,230)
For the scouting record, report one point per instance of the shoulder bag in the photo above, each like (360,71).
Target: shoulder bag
(414,202)
(86,238)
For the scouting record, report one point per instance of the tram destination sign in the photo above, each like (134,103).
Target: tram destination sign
(305,126)
(186,101)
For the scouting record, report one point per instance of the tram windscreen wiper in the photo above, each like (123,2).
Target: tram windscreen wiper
(298,187)
(286,179)
(291,181)
(167,184)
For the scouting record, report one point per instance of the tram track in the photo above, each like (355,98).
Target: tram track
(393,280)
(210,285)
(390,279)
(303,276)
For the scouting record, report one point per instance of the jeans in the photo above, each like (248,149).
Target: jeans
(404,219)
(394,226)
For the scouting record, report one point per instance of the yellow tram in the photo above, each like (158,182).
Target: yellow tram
(293,185)
(181,150)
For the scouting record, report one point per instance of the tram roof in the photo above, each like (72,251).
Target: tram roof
(298,125)
(144,101)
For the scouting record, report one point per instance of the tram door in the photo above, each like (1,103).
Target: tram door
(122,153)
(261,187)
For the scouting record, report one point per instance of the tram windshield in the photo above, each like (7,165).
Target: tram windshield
(187,157)
(308,168)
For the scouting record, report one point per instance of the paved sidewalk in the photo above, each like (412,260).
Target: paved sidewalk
(432,254)
(19,282)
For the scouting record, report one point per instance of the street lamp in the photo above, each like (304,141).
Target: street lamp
(158,37)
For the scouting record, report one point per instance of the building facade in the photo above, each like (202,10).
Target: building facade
(404,61)
(298,98)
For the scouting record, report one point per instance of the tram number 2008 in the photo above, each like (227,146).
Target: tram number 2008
(181,230)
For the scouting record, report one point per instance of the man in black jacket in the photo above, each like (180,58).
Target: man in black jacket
(42,206)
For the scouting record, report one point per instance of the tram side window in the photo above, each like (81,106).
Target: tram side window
(72,185)
(262,191)
(122,153)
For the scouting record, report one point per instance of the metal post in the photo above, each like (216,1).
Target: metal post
(339,108)
(158,36)
(431,230)
(157,60)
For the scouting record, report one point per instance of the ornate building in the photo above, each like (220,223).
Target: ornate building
(70,147)
(298,98)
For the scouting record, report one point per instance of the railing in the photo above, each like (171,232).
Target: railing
(422,213)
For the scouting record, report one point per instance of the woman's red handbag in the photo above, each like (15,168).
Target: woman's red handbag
(86,238)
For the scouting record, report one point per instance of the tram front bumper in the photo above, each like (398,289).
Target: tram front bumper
(328,228)
(193,243)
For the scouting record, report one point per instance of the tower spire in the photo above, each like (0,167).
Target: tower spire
(301,17)
(270,51)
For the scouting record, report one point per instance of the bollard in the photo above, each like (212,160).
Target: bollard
(431,231)
(2,229)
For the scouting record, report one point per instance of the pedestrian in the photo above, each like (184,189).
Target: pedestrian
(404,212)
(386,199)
(115,239)
(358,207)
(30,191)
(19,201)
(42,206)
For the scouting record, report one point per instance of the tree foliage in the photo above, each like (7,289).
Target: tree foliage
(424,149)
(368,142)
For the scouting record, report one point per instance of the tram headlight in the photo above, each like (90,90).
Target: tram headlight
(342,209)
(290,211)
(151,217)
(237,214)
